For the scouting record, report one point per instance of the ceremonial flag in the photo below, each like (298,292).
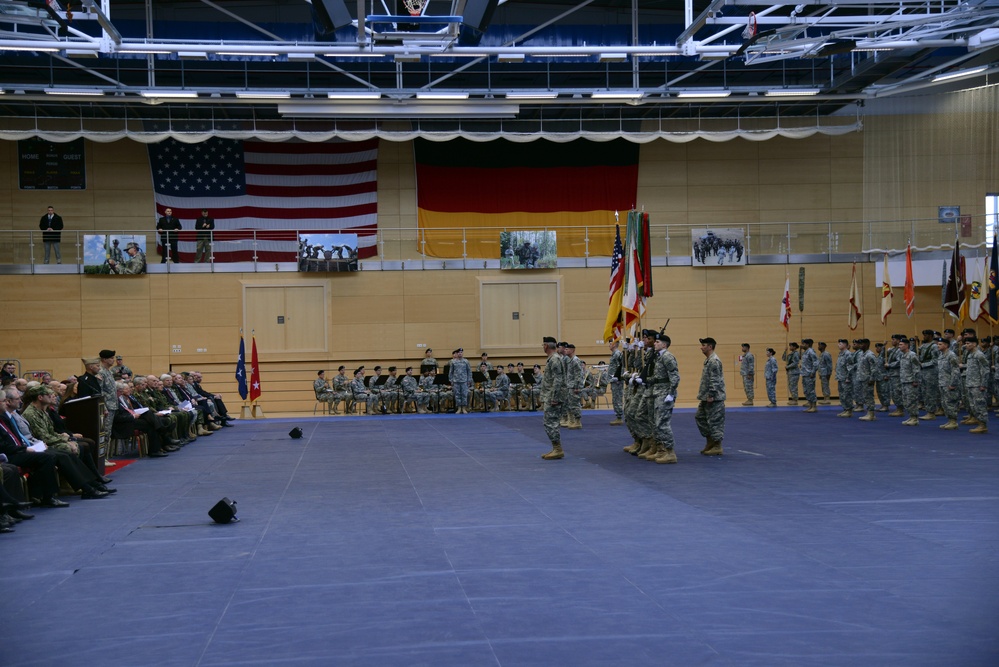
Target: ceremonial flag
(613,328)
(633,301)
(954,288)
(854,316)
(886,293)
(646,254)
(909,295)
(572,187)
(785,305)
(992,299)
(262,193)
(975,293)
(241,369)
(254,372)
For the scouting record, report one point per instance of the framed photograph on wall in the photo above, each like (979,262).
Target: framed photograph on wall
(114,254)
(948,215)
(327,252)
(528,250)
(718,246)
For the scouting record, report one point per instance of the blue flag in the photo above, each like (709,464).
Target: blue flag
(241,369)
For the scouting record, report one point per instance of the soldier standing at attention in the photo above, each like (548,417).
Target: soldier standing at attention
(881,377)
(108,389)
(825,372)
(867,365)
(460,375)
(710,416)
(747,369)
(615,368)
(908,381)
(948,379)
(929,388)
(976,379)
(575,381)
(844,377)
(893,362)
(553,395)
(665,383)
(791,358)
(641,410)
(808,366)
(770,376)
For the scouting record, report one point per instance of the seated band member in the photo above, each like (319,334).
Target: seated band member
(359,392)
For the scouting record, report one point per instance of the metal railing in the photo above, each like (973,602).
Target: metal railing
(671,245)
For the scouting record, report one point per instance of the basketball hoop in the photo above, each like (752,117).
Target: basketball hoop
(747,34)
(415,7)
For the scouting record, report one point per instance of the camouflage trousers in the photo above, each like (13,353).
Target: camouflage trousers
(710,419)
(575,405)
(863,395)
(617,398)
(460,390)
(895,384)
(636,415)
(663,424)
(792,386)
(950,400)
(747,384)
(553,415)
(825,387)
(772,390)
(845,391)
(909,399)
(808,384)
(884,392)
(978,404)
(930,390)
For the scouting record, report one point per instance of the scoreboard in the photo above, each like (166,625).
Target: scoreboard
(45,165)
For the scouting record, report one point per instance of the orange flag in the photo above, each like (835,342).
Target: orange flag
(910,285)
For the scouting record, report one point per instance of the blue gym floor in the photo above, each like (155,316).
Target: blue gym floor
(446,540)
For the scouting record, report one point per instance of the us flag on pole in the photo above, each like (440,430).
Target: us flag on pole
(272,189)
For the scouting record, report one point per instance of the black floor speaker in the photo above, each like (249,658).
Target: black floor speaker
(224,511)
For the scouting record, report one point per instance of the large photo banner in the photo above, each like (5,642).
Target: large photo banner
(718,246)
(114,254)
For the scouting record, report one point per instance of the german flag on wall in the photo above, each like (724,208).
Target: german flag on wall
(489,187)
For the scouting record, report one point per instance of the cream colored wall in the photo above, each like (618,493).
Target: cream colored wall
(381,317)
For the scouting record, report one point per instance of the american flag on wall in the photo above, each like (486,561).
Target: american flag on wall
(273,189)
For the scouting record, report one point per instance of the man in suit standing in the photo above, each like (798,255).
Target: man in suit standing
(51,226)
(204,225)
(168,226)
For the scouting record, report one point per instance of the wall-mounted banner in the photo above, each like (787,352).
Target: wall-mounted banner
(718,246)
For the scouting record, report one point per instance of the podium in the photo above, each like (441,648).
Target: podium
(85,416)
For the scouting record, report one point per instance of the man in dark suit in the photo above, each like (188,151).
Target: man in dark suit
(126,422)
(42,481)
(51,226)
(204,224)
(168,226)
(89,384)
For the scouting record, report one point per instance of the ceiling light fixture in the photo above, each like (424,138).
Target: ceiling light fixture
(441,95)
(156,52)
(791,92)
(169,93)
(355,95)
(531,95)
(192,55)
(510,57)
(407,57)
(617,95)
(82,92)
(704,93)
(613,57)
(247,53)
(263,94)
(959,74)
(40,49)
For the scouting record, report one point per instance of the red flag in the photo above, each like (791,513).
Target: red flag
(854,317)
(886,293)
(785,304)
(910,286)
(254,373)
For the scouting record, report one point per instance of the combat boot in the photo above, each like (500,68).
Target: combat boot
(654,451)
(715,449)
(969,421)
(633,448)
(667,456)
(748,402)
(575,423)
(647,444)
(555,453)
(951,425)
(825,401)
(911,421)
(811,408)
(897,413)
(564,421)
(869,417)
(708,444)
(846,413)
(981,428)
(929,416)
(617,422)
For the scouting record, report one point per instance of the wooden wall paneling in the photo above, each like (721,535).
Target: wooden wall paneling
(723,173)
(498,303)
(540,311)
(306,318)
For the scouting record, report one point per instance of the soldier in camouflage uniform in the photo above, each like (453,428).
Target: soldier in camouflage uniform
(976,379)
(480,392)
(909,382)
(460,375)
(665,383)
(825,372)
(881,378)
(360,393)
(867,365)
(322,390)
(615,371)
(390,391)
(747,369)
(407,390)
(633,366)
(928,385)
(809,366)
(791,359)
(426,395)
(845,362)
(341,389)
(108,391)
(588,393)
(639,411)
(553,396)
(770,377)
(948,380)
(501,389)
(575,379)
(710,416)
(893,363)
